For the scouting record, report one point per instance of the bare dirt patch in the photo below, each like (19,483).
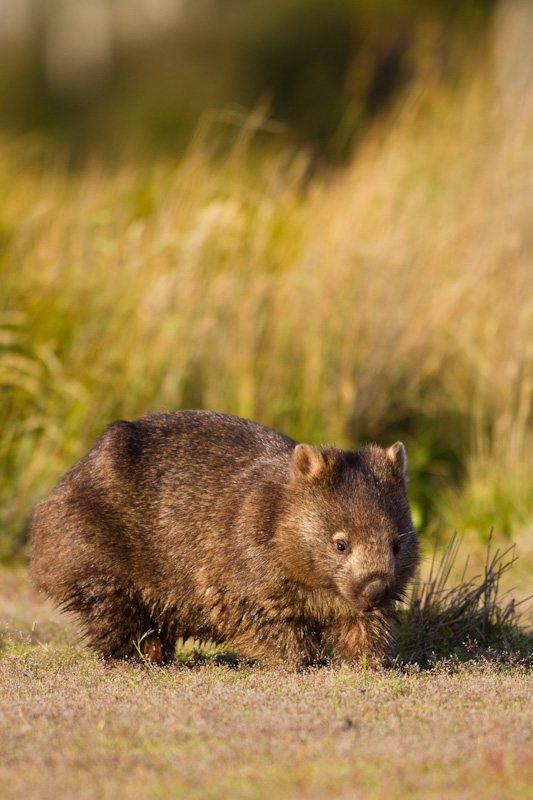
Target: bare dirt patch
(73,726)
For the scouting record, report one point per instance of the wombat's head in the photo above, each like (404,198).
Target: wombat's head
(346,523)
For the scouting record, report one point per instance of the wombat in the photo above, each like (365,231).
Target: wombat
(205,525)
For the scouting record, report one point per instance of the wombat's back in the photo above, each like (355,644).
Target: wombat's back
(137,505)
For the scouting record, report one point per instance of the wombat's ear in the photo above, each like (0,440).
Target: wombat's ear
(306,462)
(397,454)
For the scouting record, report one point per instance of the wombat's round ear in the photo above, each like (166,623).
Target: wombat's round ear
(306,462)
(397,454)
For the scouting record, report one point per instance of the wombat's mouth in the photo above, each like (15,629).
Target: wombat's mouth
(360,604)
(376,607)
(366,609)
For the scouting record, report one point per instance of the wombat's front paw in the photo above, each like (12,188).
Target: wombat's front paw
(366,641)
(153,650)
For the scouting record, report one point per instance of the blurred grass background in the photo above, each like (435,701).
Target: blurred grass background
(317,216)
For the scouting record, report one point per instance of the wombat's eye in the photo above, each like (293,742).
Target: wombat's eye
(340,546)
(396,548)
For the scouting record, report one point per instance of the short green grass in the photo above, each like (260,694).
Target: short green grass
(72,726)
(454,716)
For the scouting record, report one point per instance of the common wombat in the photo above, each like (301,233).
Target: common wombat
(205,525)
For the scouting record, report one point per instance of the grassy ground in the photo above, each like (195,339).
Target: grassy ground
(75,727)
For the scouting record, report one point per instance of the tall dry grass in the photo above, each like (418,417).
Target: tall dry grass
(393,298)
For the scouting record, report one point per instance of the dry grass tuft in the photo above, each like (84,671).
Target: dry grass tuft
(466,619)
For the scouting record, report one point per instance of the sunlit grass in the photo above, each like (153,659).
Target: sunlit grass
(392,299)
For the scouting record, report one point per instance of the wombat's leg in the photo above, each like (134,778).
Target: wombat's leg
(156,649)
(117,623)
(366,638)
(134,640)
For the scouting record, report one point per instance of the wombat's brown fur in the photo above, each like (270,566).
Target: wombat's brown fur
(204,525)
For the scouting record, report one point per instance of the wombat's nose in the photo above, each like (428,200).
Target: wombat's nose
(376,591)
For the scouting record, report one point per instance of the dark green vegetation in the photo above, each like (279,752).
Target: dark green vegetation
(96,74)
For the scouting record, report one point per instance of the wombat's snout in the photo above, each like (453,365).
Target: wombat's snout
(376,592)
(365,596)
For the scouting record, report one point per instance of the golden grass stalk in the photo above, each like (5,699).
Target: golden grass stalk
(392,299)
